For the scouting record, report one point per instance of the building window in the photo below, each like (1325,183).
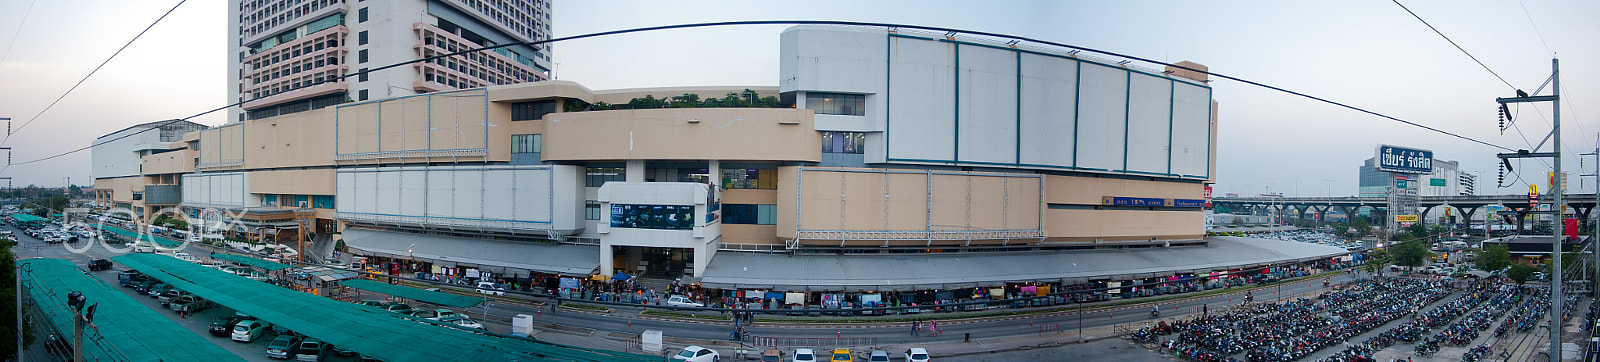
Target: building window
(322,202)
(591,210)
(695,175)
(361,56)
(361,95)
(361,15)
(749,179)
(361,75)
(525,143)
(750,214)
(597,176)
(836,103)
(269,200)
(843,142)
(527,111)
(361,38)
(665,217)
(138,196)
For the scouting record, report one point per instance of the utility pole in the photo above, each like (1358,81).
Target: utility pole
(1555,191)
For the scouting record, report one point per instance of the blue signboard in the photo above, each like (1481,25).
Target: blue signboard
(1404,160)
(1138,201)
(1188,203)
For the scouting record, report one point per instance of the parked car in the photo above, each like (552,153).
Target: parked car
(878,355)
(190,304)
(279,348)
(696,354)
(248,331)
(401,308)
(804,355)
(682,301)
(772,355)
(491,288)
(463,321)
(425,314)
(170,295)
(131,278)
(222,326)
(310,350)
(444,312)
(374,303)
(99,264)
(917,355)
(841,355)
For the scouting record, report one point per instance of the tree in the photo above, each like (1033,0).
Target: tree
(8,300)
(1376,259)
(1493,258)
(1573,266)
(1521,273)
(1410,254)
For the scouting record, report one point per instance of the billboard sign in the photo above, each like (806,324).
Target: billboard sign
(1405,218)
(1436,182)
(1404,160)
(1208,196)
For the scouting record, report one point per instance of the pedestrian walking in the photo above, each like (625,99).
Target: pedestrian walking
(915,325)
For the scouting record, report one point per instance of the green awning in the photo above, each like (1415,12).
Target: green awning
(28,218)
(263,264)
(428,296)
(366,330)
(136,236)
(128,329)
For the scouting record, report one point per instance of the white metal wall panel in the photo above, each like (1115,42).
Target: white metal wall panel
(441,198)
(344,198)
(390,203)
(367,182)
(987,127)
(413,192)
(1049,95)
(921,116)
(1191,130)
(1149,124)
(1102,117)
(468,194)
(498,184)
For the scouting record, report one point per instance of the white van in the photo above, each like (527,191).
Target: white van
(144,248)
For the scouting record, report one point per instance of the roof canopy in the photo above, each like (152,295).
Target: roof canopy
(428,296)
(245,260)
(128,330)
(903,272)
(27,218)
(366,330)
(137,236)
(503,257)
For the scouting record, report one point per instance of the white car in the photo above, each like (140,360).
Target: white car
(491,288)
(917,355)
(804,355)
(682,301)
(696,354)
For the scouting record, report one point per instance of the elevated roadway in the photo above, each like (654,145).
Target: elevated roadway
(1516,206)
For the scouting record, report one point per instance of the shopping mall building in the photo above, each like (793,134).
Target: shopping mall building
(882,160)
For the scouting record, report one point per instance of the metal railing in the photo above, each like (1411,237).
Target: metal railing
(790,342)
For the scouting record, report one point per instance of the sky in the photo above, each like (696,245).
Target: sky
(1371,55)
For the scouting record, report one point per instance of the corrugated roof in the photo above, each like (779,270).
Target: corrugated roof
(440,298)
(128,330)
(27,218)
(742,270)
(263,264)
(572,260)
(371,331)
(137,236)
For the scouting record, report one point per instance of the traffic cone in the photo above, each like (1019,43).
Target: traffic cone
(838,334)
(1111,315)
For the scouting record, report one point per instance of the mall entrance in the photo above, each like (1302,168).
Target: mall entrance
(652,262)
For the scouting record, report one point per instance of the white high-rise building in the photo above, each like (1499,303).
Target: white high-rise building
(281,51)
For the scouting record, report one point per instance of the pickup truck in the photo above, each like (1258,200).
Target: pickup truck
(190,304)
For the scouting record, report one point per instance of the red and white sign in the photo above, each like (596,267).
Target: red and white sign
(1208,196)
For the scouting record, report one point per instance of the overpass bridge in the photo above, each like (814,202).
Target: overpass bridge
(1516,206)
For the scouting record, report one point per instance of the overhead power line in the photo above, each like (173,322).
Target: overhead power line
(91,73)
(1453,42)
(802,22)
(14,35)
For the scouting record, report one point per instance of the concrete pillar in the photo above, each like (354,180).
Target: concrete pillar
(714,172)
(605,258)
(635,171)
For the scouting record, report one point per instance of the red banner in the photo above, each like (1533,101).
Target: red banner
(1208,197)
(1571,230)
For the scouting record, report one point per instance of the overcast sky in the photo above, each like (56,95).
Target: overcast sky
(1368,54)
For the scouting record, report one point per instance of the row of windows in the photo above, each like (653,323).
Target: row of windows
(312,201)
(843,142)
(527,111)
(751,179)
(492,69)
(515,17)
(599,176)
(330,40)
(297,83)
(836,103)
(759,214)
(267,18)
(525,143)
